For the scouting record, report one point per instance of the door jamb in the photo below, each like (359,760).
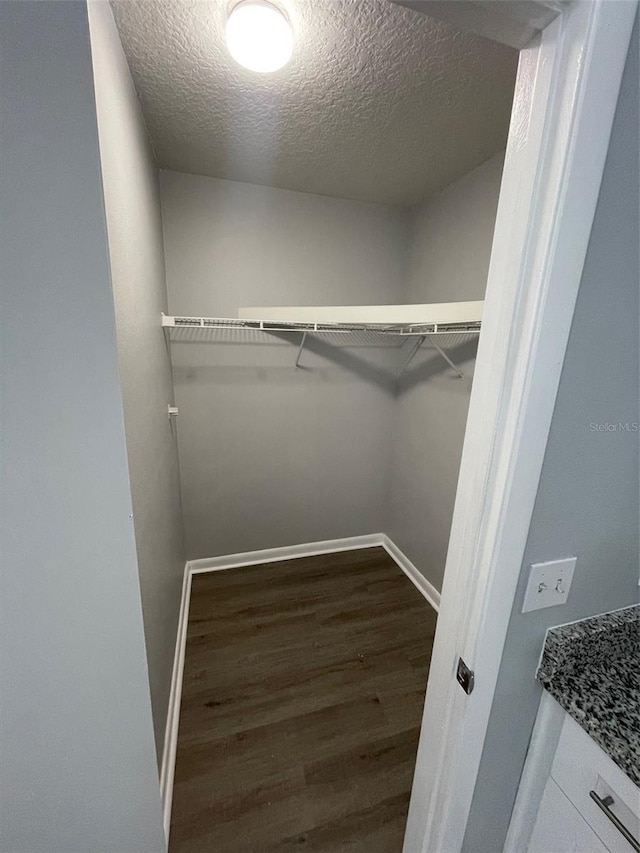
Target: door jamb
(564,103)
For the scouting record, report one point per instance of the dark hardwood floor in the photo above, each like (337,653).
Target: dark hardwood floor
(301,706)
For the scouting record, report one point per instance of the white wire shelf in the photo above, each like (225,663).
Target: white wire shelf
(213,325)
(239,331)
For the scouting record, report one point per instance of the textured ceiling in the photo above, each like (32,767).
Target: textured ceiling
(378,102)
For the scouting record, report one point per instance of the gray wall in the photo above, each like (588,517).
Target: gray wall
(134,226)
(270,456)
(78,760)
(587,503)
(448,261)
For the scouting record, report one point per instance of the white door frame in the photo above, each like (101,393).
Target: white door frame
(565,98)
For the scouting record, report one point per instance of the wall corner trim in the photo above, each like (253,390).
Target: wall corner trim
(253,558)
(416,577)
(168,766)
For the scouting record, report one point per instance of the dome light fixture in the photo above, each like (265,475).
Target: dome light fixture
(259,36)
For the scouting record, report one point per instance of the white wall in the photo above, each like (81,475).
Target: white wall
(134,226)
(270,456)
(77,754)
(587,502)
(448,261)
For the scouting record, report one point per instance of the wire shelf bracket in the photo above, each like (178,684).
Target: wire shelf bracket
(300,348)
(446,358)
(413,350)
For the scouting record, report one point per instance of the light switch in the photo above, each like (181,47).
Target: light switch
(549,584)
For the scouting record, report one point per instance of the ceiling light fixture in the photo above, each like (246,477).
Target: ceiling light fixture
(259,36)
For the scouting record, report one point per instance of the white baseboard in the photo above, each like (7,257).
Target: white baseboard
(289,552)
(168,767)
(416,577)
(253,558)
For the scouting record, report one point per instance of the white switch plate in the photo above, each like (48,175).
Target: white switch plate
(549,584)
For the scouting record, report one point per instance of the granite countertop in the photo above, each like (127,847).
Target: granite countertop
(592,668)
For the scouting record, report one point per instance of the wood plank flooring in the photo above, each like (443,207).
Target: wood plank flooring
(301,706)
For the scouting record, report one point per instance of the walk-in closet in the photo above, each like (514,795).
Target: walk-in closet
(299,258)
(316,491)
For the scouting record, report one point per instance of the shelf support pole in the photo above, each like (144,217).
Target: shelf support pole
(447,359)
(410,355)
(300,348)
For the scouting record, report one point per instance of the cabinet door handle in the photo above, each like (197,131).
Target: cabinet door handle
(605,805)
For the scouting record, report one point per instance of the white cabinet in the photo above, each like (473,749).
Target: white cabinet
(560,828)
(573,798)
(580,767)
